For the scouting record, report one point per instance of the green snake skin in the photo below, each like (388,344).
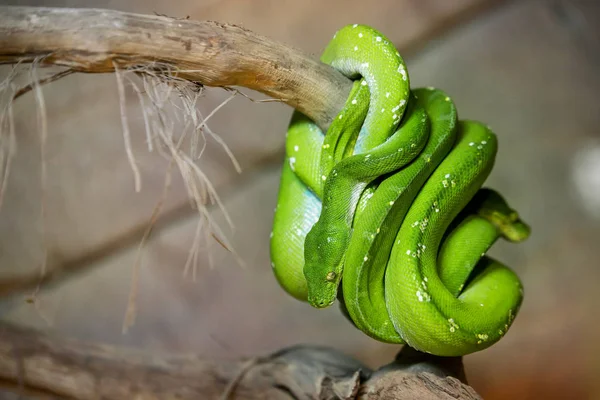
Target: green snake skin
(390,199)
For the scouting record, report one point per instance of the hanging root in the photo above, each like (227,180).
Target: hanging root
(178,131)
(174,128)
(8,143)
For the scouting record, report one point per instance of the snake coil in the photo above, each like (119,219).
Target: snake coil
(386,210)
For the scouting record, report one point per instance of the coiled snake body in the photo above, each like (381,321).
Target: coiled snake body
(386,210)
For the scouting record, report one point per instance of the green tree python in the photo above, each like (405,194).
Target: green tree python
(386,210)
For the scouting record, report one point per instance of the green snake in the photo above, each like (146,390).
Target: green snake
(386,210)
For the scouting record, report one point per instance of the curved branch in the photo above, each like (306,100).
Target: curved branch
(34,363)
(210,53)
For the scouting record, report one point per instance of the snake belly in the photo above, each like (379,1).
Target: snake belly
(386,210)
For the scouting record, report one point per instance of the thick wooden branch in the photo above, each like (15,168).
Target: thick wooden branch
(211,53)
(48,366)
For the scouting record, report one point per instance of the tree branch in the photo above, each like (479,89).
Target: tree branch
(31,362)
(210,53)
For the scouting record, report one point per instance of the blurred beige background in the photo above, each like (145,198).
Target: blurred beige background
(528,68)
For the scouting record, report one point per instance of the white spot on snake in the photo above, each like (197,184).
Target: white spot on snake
(453,325)
(377,231)
(293,163)
(472,144)
(483,142)
(402,102)
(412,145)
(323,178)
(445,183)
(341,116)
(394,116)
(423,296)
(360,35)
(296,148)
(367,157)
(364,83)
(420,250)
(480,304)
(366,258)
(402,72)
(408,252)
(447,98)
(387,94)
(271,234)
(299,231)
(378,38)
(430,88)
(479,147)
(415,224)
(447,176)
(354,101)
(400,150)
(328,239)
(326,146)
(355,48)
(355,25)
(365,65)
(272,265)
(391,203)
(383,110)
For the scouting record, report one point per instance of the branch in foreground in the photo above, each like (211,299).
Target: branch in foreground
(210,53)
(33,363)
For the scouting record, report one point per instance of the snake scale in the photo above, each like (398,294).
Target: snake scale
(386,210)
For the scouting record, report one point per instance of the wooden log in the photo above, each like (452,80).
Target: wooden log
(48,366)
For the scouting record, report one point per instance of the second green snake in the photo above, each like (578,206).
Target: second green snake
(386,211)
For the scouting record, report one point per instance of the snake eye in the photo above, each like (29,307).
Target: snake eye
(331,276)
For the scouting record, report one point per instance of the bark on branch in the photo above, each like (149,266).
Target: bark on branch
(210,53)
(34,363)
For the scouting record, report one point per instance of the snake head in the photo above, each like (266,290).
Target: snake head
(322,292)
(323,261)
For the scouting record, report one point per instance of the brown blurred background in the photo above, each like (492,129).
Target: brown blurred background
(527,68)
